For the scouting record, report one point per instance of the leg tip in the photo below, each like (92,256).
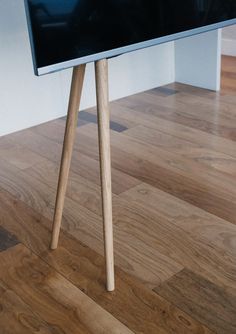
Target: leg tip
(111,287)
(53,245)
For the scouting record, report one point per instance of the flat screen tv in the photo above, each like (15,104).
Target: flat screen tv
(66,33)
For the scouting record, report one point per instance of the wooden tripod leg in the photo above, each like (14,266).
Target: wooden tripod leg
(101,72)
(71,124)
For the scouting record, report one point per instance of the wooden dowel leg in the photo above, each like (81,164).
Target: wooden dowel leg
(71,124)
(101,72)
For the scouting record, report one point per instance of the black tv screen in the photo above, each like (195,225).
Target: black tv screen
(66,33)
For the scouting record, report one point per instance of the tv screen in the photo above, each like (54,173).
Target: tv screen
(66,33)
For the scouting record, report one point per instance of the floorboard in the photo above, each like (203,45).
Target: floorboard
(39,275)
(53,297)
(17,317)
(202,300)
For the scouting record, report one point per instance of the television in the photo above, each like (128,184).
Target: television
(67,33)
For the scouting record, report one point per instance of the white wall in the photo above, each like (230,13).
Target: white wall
(129,74)
(198,60)
(26,100)
(229,41)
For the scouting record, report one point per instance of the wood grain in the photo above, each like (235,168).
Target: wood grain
(201,299)
(19,156)
(186,179)
(228,82)
(48,145)
(195,152)
(53,297)
(82,222)
(205,234)
(184,110)
(138,251)
(17,317)
(190,134)
(132,304)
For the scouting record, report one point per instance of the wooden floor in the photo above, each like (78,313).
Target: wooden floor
(174,197)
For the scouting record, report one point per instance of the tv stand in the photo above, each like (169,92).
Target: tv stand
(101,76)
